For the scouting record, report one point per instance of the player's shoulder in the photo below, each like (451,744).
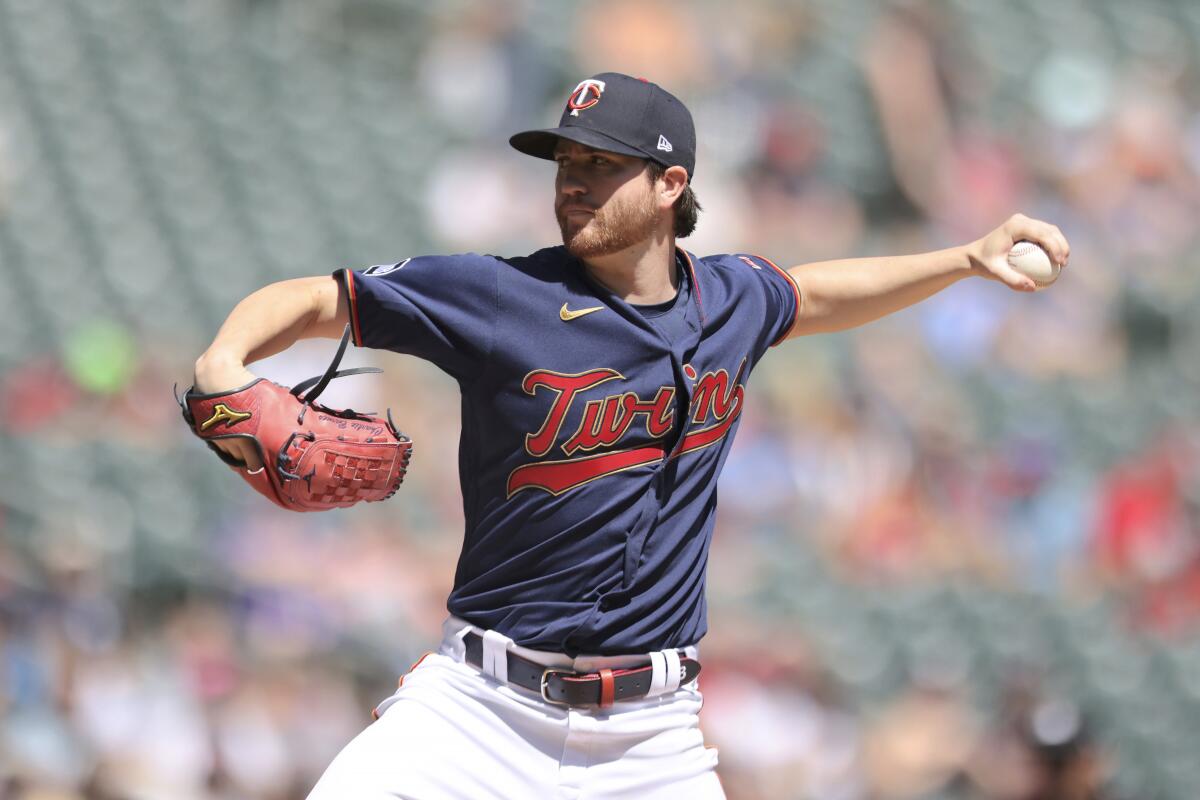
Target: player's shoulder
(736,265)
(547,261)
(431,263)
(542,270)
(735,273)
(545,265)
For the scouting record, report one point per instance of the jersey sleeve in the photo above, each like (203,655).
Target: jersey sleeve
(439,308)
(781,297)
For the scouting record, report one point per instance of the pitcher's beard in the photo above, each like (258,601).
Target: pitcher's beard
(611,229)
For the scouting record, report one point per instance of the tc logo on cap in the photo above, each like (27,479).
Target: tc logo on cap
(586,95)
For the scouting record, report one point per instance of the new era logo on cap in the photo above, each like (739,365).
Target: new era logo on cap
(620,114)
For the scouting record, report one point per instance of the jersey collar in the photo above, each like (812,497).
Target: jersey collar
(687,266)
(589,288)
(688,262)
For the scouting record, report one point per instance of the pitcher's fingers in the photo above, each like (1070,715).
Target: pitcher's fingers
(1048,236)
(248,453)
(242,450)
(1013,279)
(1061,248)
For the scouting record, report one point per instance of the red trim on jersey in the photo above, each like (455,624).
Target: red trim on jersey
(557,477)
(355,328)
(695,283)
(795,292)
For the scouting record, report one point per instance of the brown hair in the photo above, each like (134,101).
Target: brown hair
(687,207)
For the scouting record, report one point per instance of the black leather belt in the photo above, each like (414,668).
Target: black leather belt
(570,688)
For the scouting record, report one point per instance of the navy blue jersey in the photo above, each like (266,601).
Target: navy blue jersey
(593,432)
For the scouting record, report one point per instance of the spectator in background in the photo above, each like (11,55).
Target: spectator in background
(1146,544)
(1040,748)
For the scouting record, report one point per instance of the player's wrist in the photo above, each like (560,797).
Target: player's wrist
(972,259)
(219,370)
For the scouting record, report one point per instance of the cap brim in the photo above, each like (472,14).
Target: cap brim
(541,144)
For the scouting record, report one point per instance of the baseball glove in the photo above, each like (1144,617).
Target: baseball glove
(314,458)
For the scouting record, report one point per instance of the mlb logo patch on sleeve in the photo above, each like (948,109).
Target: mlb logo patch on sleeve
(384,269)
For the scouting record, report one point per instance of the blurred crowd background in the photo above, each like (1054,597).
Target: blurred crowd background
(958,553)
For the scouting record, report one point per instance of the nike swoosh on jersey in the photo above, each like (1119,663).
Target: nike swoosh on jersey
(566,315)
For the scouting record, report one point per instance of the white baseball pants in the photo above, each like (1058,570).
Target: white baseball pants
(450,732)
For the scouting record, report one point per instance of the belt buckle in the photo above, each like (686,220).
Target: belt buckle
(545,683)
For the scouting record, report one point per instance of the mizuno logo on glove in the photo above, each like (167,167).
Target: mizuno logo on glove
(223,413)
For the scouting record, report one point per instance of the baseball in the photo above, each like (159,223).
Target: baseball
(1029,259)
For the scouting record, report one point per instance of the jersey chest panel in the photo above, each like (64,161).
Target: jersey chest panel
(590,397)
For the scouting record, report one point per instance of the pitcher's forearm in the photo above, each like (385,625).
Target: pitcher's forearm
(274,318)
(836,295)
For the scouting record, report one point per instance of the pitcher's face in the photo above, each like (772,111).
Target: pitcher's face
(604,202)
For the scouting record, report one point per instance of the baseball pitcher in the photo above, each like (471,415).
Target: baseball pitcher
(602,384)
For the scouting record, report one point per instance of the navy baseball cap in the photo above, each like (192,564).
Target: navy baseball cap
(620,114)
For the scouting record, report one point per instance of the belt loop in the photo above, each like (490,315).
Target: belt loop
(495,655)
(673,672)
(658,675)
(608,688)
(459,645)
